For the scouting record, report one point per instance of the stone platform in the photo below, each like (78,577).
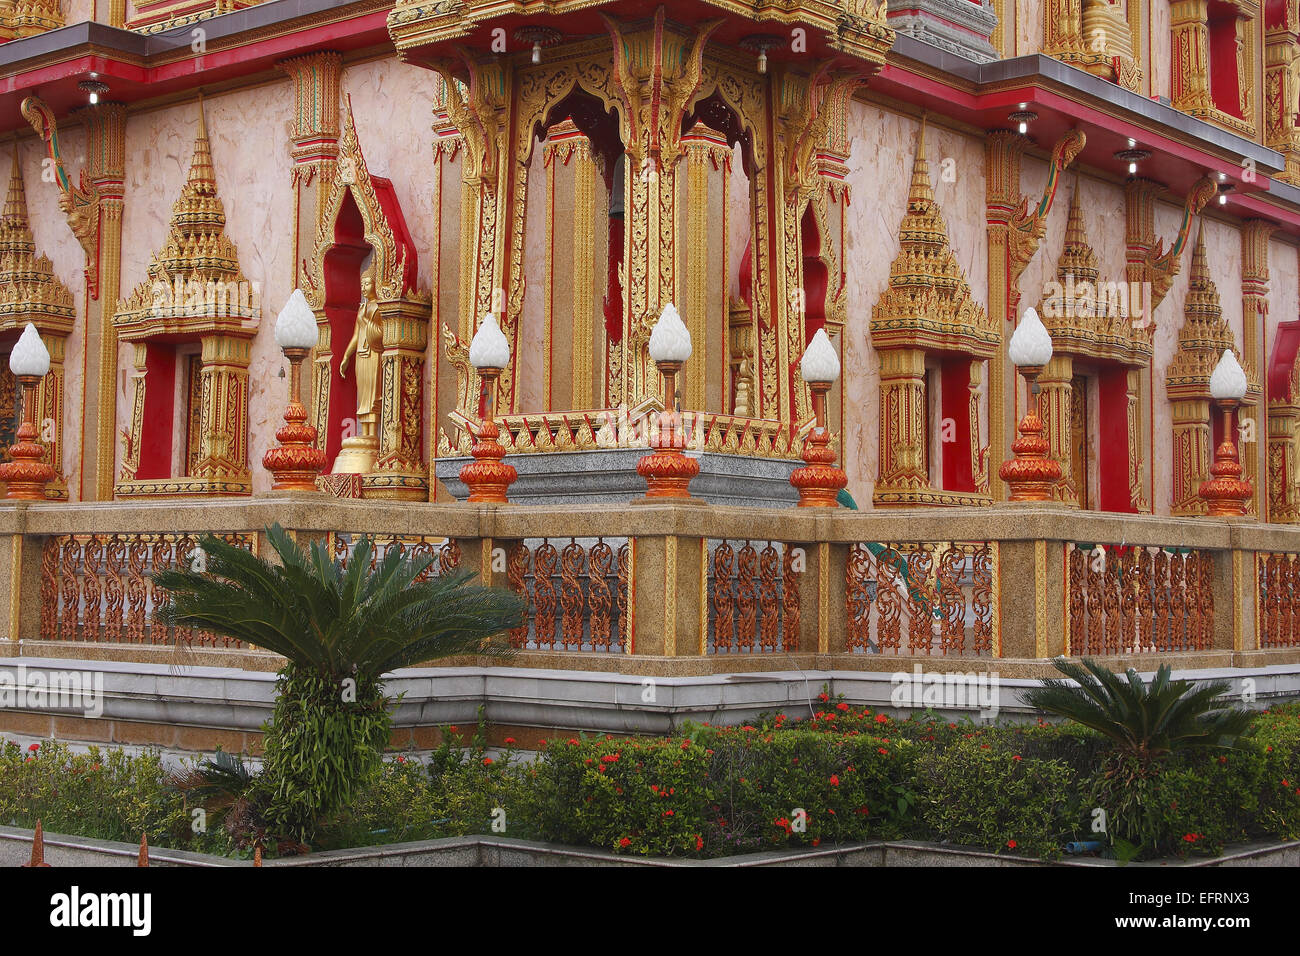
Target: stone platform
(609,476)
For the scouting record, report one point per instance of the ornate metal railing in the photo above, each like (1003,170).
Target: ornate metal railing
(97,587)
(576,595)
(1278,610)
(921,598)
(1139,600)
(445,551)
(702,584)
(753,596)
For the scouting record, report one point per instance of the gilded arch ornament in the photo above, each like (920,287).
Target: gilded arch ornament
(400,470)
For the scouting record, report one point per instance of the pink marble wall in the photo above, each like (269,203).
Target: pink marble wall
(1159,42)
(1028,16)
(55,239)
(79,11)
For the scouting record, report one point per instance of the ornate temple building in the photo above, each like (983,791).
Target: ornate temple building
(889,176)
(908,178)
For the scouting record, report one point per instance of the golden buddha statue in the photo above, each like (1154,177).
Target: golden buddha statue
(358,453)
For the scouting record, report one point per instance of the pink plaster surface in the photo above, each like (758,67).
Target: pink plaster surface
(55,239)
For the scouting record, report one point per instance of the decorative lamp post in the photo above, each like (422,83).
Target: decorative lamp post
(819,481)
(297,461)
(488,476)
(668,472)
(27,472)
(1227,492)
(1031,474)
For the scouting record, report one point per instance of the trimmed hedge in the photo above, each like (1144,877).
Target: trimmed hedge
(843,775)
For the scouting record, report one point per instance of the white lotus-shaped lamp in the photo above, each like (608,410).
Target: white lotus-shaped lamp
(295,326)
(670,339)
(1228,382)
(30,358)
(819,362)
(666,470)
(295,462)
(489,348)
(1031,344)
(1032,474)
(820,480)
(26,472)
(1228,493)
(488,477)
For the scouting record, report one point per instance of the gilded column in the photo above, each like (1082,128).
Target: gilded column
(1054,407)
(1190,66)
(1282,91)
(903,433)
(105,169)
(1252,445)
(314,150)
(223,411)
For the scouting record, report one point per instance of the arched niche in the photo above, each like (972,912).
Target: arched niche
(362,232)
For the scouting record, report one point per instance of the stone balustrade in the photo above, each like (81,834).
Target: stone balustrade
(688,589)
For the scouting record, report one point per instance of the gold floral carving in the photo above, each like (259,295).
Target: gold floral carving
(927,306)
(195,290)
(1202,340)
(80,205)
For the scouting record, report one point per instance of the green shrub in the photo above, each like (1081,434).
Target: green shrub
(981,792)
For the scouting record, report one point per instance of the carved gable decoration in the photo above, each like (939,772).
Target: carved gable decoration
(29,290)
(1204,335)
(395,260)
(194,285)
(928,304)
(1089,317)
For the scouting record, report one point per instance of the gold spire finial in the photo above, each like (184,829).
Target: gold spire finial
(921,193)
(1200,268)
(201,169)
(16,200)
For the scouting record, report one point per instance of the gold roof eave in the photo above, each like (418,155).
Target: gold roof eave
(854,27)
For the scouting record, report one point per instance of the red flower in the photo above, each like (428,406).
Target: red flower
(625,842)
(34,747)
(1011,844)
(487,761)
(841,706)
(668,813)
(699,842)
(401,760)
(817,841)
(823,698)
(454,730)
(835,780)
(1191,837)
(573,741)
(1016,757)
(510,740)
(882,750)
(654,788)
(882,719)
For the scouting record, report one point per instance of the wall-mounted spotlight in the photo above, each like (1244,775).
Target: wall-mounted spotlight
(760,43)
(1224,189)
(95,89)
(538,37)
(1133,156)
(1022,118)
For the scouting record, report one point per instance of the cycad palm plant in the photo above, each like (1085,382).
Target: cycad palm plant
(341,628)
(1145,722)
